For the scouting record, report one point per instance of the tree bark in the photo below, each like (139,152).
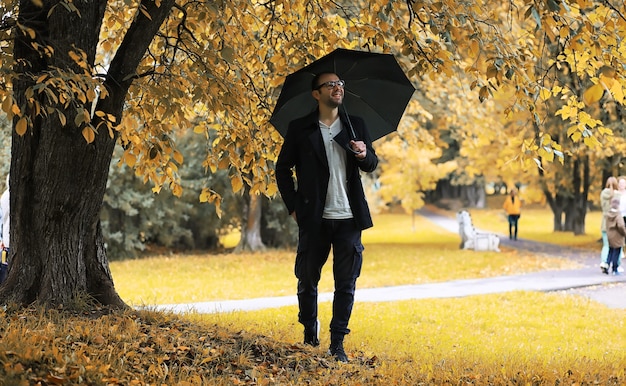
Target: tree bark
(251,229)
(58,180)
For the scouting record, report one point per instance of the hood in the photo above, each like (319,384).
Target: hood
(606,194)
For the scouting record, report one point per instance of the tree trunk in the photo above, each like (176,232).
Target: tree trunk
(557,224)
(251,229)
(557,205)
(58,180)
(577,208)
(474,195)
(581,197)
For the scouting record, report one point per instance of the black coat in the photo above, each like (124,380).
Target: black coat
(304,149)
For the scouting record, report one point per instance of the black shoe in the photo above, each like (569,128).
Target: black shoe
(605,270)
(336,350)
(312,334)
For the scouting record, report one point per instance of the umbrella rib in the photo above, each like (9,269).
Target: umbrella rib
(357,96)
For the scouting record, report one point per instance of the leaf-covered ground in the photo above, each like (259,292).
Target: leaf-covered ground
(146,348)
(551,339)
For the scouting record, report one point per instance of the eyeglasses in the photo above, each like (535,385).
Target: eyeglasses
(331,84)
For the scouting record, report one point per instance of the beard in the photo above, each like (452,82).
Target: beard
(332,103)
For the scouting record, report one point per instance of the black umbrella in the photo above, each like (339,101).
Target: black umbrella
(376,89)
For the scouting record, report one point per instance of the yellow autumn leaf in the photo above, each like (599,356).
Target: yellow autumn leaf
(62,118)
(572,130)
(566,112)
(605,130)
(21,126)
(15,109)
(607,81)
(177,190)
(204,195)
(591,141)
(492,72)
(89,134)
(130,159)
(223,163)
(91,94)
(217,202)
(143,10)
(593,94)
(74,56)
(618,92)
(546,153)
(483,93)
(271,189)
(545,94)
(474,47)
(178,157)
(6,106)
(236,182)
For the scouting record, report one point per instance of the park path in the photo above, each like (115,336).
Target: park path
(586,281)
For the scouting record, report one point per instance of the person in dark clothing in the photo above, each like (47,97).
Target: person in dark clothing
(328,150)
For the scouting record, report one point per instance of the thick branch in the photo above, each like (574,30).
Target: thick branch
(135,44)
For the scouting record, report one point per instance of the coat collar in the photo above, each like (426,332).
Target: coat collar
(315,136)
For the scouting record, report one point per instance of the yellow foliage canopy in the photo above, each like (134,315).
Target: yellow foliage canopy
(216,68)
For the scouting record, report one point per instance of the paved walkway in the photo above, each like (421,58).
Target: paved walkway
(586,281)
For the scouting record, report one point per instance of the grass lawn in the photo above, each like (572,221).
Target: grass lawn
(516,338)
(399,250)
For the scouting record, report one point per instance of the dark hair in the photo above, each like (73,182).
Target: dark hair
(316,79)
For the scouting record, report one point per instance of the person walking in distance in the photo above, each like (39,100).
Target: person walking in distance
(621,193)
(328,150)
(609,192)
(616,232)
(513,206)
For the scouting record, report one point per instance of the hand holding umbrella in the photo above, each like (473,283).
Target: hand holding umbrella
(359,149)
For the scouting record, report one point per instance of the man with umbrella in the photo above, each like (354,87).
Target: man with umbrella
(328,149)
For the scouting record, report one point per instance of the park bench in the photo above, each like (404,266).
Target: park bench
(471,239)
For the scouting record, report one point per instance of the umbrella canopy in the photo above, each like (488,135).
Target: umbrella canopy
(376,89)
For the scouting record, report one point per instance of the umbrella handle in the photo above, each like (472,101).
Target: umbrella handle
(352,133)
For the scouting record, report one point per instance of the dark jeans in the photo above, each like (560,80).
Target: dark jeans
(613,258)
(513,219)
(313,249)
